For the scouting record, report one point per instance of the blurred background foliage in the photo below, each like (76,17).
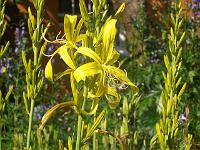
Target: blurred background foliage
(144,64)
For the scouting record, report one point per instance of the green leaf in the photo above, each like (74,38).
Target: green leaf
(93,108)
(32,18)
(119,11)
(182,90)
(178,82)
(42,50)
(94,126)
(125,108)
(4,49)
(181,39)
(158,131)
(70,144)
(84,12)
(24,61)
(25,102)
(153,141)
(173,19)
(45,31)
(167,64)
(180,24)
(9,93)
(179,54)
(30,28)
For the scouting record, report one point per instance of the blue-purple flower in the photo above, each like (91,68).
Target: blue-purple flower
(8,67)
(183,118)
(195,7)
(19,34)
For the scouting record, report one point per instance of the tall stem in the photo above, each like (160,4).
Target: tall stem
(35,50)
(0,133)
(30,124)
(78,139)
(94,135)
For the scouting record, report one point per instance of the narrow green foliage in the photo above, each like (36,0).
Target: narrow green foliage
(3,24)
(168,129)
(91,130)
(34,77)
(3,101)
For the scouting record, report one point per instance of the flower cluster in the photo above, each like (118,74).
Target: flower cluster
(195,7)
(19,34)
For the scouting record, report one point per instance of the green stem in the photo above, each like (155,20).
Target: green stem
(32,102)
(0,134)
(94,136)
(30,124)
(78,139)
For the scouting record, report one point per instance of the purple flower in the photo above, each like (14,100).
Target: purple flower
(17,34)
(196,7)
(50,48)
(195,1)
(23,31)
(1,69)
(9,64)
(16,50)
(183,118)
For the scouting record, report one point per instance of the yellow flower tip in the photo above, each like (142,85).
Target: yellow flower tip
(69,26)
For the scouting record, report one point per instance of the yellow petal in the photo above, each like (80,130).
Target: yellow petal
(74,88)
(69,26)
(78,28)
(53,110)
(63,52)
(49,71)
(86,70)
(109,37)
(89,53)
(66,72)
(113,57)
(121,76)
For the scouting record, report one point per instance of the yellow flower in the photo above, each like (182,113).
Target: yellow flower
(108,77)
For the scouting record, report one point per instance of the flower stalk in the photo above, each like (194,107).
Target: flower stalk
(79,130)
(168,129)
(34,77)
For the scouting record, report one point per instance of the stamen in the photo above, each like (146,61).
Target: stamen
(60,41)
